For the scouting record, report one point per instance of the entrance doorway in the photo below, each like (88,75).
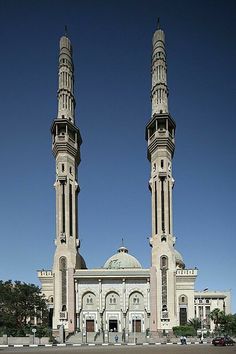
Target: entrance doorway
(136,325)
(113,326)
(182,316)
(89,325)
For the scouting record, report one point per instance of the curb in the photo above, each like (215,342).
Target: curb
(93,344)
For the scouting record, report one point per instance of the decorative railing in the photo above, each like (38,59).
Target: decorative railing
(45,273)
(186,272)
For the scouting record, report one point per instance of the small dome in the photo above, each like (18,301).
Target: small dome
(80,262)
(179,260)
(122,260)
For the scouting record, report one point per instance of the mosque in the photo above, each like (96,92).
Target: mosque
(121,297)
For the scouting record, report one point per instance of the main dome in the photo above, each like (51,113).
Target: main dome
(122,260)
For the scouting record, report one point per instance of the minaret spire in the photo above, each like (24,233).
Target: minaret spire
(159,91)
(66,32)
(66,99)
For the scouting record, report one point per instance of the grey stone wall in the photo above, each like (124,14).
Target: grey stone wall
(4,340)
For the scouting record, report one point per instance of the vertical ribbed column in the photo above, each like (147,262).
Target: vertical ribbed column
(66,100)
(159,92)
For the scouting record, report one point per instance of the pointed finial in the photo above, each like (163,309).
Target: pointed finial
(122,242)
(66,30)
(158,23)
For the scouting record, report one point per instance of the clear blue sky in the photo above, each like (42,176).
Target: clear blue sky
(112,56)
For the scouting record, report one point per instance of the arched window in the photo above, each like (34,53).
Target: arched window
(136,301)
(112,300)
(183,310)
(164,262)
(63,269)
(63,263)
(183,299)
(89,300)
(50,299)
(164,290)
(63,308)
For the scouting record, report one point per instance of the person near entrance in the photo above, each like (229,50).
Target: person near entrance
(113,325)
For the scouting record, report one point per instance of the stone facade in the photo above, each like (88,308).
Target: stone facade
(206,301)
(121,297)
(113,299)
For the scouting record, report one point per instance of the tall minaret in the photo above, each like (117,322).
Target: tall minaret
(66,141)
(160,133)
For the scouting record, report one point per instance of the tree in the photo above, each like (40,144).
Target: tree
(228,324)
(195,323)
(225,324)
(20,305)
(217,316)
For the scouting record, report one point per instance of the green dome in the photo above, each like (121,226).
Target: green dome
(122,260)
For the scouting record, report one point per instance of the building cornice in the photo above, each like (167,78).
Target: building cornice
(111,273)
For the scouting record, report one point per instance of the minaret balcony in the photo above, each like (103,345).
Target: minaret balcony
(161,126)
(65,139)
(160,134)
(159,140)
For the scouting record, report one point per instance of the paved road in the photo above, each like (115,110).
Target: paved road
(151,349)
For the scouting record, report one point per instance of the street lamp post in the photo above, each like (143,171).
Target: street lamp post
(34,331)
